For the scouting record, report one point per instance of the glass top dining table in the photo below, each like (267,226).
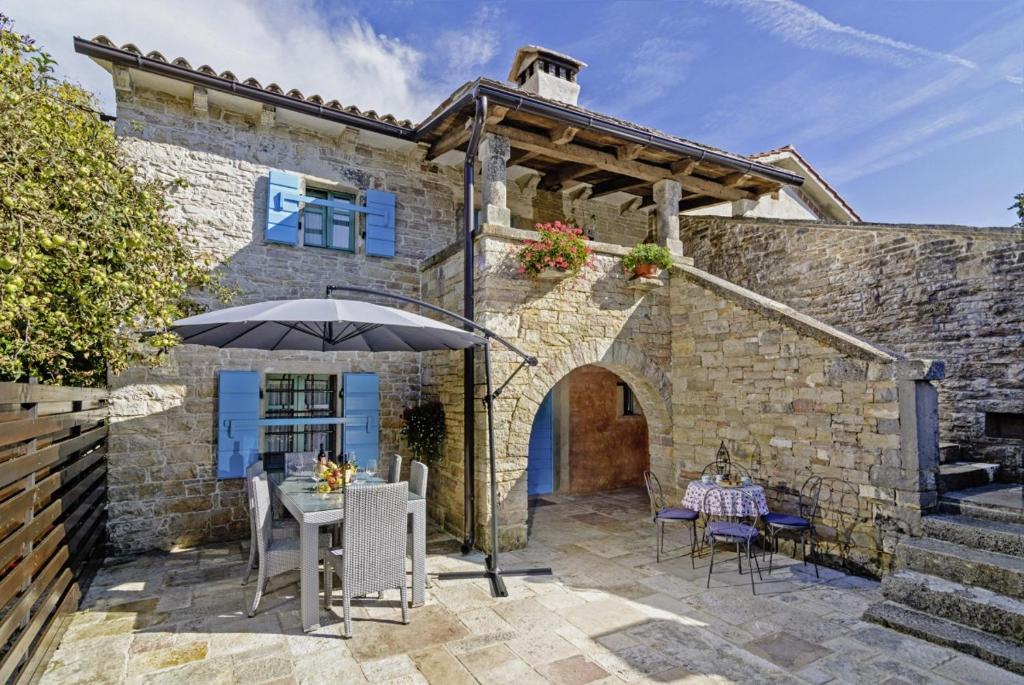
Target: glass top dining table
(297,492)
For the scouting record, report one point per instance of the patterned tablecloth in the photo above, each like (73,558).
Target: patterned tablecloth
(725,501)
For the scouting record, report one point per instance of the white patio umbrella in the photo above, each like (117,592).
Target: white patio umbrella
(322,325)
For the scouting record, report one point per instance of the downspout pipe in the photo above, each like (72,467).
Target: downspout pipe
(468,359)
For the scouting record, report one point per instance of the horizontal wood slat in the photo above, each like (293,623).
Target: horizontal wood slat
(53,494)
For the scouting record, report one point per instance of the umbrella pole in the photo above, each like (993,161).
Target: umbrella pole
(493,570)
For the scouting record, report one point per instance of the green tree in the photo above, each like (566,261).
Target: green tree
(1018,206)
(89,257)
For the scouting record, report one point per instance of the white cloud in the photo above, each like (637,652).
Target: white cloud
(337,54)
(802,26)
(656,67)
(474,46)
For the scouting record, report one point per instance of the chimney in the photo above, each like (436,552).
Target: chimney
(546,73)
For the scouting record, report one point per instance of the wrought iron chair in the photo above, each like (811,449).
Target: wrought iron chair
(278,552)
(395,468)
(660,514)
(799,526)
(732,528)
(372,558)
(723,465)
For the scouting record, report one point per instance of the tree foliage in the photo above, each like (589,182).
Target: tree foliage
(89,257)
(1018,206)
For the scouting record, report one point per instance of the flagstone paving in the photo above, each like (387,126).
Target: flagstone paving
(610,614)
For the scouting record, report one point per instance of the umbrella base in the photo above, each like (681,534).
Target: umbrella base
(494,575)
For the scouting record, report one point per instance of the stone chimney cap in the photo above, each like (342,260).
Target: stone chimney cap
(528,53)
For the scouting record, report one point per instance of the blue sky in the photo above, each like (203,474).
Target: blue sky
(913,110)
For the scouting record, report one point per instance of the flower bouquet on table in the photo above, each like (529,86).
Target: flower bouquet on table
(332,476)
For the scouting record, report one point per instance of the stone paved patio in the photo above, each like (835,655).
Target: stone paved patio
(610,614)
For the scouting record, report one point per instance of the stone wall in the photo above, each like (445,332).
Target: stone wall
(950,293)
(163,488)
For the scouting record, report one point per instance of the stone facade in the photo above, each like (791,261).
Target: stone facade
(943,292)
(706,360)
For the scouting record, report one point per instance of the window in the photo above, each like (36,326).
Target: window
(334,229)
(1004,425)
(292,396)
(630,407)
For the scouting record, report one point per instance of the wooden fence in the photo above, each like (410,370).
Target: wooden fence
(53,484)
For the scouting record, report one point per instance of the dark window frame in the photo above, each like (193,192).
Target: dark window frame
(1004,425)
(327,217)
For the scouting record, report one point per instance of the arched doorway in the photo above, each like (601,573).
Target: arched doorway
(589,434)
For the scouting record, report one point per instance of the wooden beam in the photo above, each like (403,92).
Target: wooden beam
(572,152)
(562,134)
(495,115)
(558,178)
(614,185)
(521,157)
(630,205)
(733,180)
(684,167)
(629,151)
(456,137)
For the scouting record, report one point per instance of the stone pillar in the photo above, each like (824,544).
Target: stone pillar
(667,194)
(494,154)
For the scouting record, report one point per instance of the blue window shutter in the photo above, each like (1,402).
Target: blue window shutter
(361,393)
(380,223)
(238,402)
(283,208)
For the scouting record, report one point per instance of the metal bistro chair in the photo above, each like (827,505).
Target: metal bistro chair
(732,529)
(724,468)
(372,558)
(395,468)
(278,552)
(660,513)
(800,527)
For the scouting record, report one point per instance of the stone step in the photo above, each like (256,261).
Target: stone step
(1000,573)
(996,650)
(996,502)
(961,475)
(995,536)
(949,452)
(973,606)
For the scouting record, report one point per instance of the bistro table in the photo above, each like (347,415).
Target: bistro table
(312,510)
(725,501)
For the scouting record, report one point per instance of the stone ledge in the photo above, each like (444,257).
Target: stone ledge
(644,284)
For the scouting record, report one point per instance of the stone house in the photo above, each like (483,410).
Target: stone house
(291,193)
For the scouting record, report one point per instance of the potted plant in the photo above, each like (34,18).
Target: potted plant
(647,259)
(423,427)
(561,251)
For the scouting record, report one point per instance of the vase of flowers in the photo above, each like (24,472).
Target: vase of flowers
(647,259)
(560,252)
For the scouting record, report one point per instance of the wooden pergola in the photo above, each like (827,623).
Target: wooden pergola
(567,156)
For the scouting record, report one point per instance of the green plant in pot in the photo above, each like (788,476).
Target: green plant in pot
(647,259)
(424,429)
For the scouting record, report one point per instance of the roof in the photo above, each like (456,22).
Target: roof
(250,82)
(527,51)
(791,151)
(567,144)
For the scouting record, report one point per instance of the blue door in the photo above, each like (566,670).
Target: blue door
(540,465)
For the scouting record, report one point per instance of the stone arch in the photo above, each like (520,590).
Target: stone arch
(650,384)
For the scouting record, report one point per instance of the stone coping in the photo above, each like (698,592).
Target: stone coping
(522,235)
(1002,232)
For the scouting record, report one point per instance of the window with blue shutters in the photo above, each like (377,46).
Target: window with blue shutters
(380,223)
(283,208)
(329,227)
(361,398)
(238,414)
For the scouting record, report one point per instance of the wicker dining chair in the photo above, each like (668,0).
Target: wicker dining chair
(277,549)
(395,468)
(800,526)
(418,478)
(731,528)
(372,556)
(660,513)
(299,462)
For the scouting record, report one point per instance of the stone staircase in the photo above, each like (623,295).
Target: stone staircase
(962,584)
(955,473)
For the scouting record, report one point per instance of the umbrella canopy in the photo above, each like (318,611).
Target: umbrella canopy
(323,325)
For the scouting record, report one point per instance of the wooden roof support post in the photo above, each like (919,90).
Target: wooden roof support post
(667,194)
(494,155)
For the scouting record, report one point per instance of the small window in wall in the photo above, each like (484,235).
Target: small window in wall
(629,405)
(1004,425)
(334,229)
(290,396)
